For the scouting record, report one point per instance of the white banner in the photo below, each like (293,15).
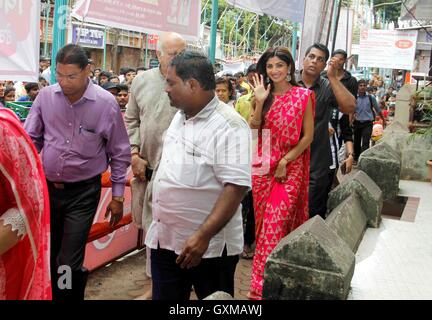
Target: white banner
(19,40)
(389,49)
(292,10)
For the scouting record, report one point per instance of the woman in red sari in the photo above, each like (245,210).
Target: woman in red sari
(24,216)
(283,114)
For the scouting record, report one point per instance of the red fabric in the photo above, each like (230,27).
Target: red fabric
(25,267)
(106,180)
(279,207)
(101,229)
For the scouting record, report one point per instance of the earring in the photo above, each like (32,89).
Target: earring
(288,77)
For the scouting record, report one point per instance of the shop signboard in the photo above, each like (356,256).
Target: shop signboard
(86,36)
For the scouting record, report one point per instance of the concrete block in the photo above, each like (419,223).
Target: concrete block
(369,195)
(312,262)
(348,221)
(383,165)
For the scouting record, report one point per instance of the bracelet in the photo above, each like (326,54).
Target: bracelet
(255,122)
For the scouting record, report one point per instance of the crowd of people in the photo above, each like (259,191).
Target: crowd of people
(271,139)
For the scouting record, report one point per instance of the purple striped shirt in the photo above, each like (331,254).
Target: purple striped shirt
(79,140)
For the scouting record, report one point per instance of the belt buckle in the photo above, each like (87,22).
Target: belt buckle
(59,185)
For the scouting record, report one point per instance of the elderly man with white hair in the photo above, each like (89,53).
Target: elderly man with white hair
(148,115)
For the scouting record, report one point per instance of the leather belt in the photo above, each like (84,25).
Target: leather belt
(72,185)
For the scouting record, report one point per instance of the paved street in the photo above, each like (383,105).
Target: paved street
(125,279)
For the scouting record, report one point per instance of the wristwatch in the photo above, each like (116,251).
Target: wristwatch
(118,199)
(349,154)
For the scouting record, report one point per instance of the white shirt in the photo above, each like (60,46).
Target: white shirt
(200,155)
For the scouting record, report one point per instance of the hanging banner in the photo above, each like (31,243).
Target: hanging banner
(292,10)
(87,36)
(147,16)
(389,49)
(19,40)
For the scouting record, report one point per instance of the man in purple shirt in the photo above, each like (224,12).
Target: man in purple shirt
(79,129)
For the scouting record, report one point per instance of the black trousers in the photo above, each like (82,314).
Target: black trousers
(318,192)
(170,282)
(362,136)
(249,218)
(73,207)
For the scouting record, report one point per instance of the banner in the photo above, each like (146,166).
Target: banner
(390,49)
(87,36)
(147,16)
(19,40)
(292,10)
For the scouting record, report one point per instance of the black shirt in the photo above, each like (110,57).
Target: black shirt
(348,81)
(325,100)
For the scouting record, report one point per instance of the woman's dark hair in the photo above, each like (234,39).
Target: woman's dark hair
(284,54)
(72,54)
(195,65)
(228,83)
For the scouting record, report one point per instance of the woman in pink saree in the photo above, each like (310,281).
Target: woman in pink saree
(283,114)
(24,216)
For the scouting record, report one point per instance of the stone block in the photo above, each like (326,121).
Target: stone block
(397,140)
(403,98)
(369,195)
(383,165)
(415,153)
(396,126)
(219,295)
(348,221)
(310,263)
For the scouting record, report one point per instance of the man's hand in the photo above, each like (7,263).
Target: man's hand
(331,132)
(348,162)
(115,208)
(193,250)
(333,66)
(139,166)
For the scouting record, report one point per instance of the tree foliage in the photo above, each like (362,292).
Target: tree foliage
(392,11)
(246,36)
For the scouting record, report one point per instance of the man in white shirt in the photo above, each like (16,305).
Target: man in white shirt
(196,234)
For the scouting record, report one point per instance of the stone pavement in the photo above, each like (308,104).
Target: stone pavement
(392,261)
(125,279)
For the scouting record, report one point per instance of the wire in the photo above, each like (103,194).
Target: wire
(429,34)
